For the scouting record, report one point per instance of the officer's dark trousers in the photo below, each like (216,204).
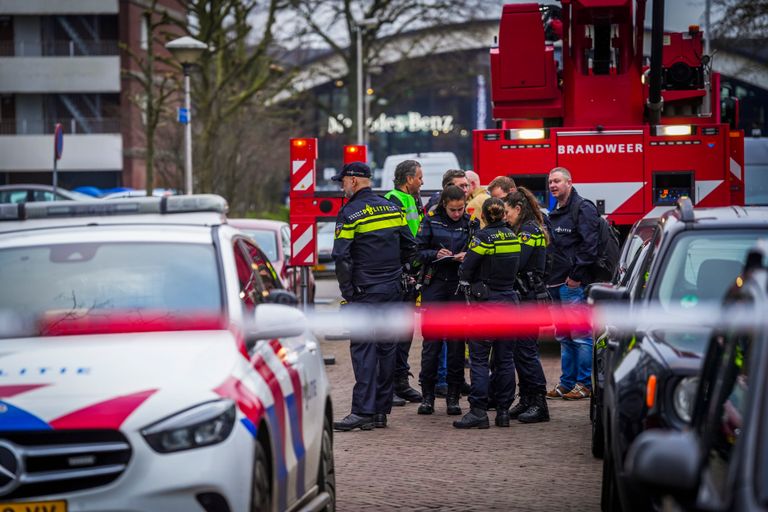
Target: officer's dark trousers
(403,348)
(441,291)
(528,364)
(504,366)
(373,362)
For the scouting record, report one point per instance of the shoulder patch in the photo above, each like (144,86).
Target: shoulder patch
(524,236)
(337,231)
(431,213)
(474,242)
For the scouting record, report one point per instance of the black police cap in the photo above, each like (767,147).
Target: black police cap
(358,169)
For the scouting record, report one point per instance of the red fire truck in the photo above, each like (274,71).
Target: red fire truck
(635,138)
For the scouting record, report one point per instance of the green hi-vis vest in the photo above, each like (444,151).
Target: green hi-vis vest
(412,216)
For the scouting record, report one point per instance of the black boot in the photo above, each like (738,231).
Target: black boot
(427,405)
(397,401)
(502,417)
(475,418)
(537,411)
(522,405)
(452,401)
(404,390)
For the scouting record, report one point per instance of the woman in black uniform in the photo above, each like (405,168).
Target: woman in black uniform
(490,269)
(525,218)
(442,241)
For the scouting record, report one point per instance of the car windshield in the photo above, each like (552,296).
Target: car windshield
(692,340)
(60,278)
(266,239)
(702,266)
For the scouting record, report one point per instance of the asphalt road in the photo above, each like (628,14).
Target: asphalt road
(423,463)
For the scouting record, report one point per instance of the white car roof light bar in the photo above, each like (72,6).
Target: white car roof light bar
(127,206)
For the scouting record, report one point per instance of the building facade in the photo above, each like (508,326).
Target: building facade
(61,62)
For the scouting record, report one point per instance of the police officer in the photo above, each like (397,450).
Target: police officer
(442,240)
(372,243)
(409,178)
(490,270)
(525,218)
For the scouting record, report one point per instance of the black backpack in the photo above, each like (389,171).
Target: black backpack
(608,247)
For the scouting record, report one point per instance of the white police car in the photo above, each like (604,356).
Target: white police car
(159,374)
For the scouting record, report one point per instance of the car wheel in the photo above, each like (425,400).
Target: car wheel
(261,485)
(598,433)
(326,477)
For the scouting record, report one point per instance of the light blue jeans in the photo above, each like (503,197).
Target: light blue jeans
(575,346)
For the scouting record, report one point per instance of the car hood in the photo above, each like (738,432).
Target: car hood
(681,347)
(99,381)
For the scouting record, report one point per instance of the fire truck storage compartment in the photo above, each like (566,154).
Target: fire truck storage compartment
(523,66)
(537,184)
(668,187)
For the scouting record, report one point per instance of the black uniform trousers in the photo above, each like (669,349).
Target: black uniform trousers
(374,362)
(431,350)
(402,349)
(527,359)
(503,361)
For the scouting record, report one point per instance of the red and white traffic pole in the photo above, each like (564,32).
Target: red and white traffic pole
(303,225)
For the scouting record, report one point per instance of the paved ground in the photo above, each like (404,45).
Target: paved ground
(423,463)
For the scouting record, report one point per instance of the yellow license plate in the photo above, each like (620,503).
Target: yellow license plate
(319,268)
(35,506)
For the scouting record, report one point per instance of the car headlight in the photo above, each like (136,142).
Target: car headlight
(202,425)
(683,397)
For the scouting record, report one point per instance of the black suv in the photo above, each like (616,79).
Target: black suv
(721,463)
(693,257)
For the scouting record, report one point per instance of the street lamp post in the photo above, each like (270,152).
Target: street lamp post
(187,51)
(359,27)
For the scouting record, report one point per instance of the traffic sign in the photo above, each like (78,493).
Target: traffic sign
(58,141)
(183,115)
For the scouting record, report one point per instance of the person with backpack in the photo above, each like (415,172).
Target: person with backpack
(574,250)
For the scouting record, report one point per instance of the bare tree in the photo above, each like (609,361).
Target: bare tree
(335,24)
(156,83)
(225,91)
(743,19)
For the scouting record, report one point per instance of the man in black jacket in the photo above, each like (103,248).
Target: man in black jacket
(574,250)
(372,243)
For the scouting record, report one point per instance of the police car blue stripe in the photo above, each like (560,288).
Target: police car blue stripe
(13,418)
(298,442)
(249,426)
(278,451)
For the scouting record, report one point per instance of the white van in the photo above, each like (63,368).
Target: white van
(432,164)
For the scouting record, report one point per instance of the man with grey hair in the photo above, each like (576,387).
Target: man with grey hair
(409,178)
(574,245)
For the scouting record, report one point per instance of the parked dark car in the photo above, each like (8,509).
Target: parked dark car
(628,279)
(694,256)
(29,192)
(721,462)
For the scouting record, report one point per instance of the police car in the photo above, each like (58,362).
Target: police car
(158,369)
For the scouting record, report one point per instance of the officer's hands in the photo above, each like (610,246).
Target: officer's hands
(442,253)
(459,256)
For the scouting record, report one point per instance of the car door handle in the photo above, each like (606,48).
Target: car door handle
(612,344)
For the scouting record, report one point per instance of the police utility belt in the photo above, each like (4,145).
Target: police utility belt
(530,287)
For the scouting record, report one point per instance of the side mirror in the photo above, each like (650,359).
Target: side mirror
(284,297)
(665,462)
(604,292)
(275,321)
